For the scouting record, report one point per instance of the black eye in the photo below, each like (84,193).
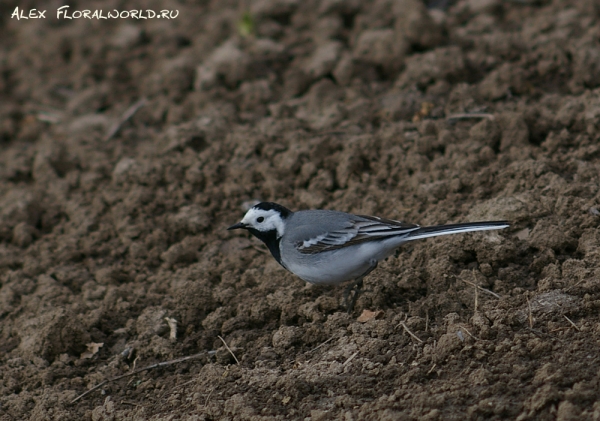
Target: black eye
(260,219)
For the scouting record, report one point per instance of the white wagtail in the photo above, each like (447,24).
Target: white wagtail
(331,247)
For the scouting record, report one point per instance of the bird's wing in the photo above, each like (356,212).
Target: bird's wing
(359,230)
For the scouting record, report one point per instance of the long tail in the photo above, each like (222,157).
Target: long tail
(434,231)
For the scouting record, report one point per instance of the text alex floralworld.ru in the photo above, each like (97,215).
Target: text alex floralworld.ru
(63,12)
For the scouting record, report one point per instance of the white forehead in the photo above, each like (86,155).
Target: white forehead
(254,213)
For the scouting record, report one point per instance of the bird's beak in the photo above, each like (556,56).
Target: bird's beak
(237,226)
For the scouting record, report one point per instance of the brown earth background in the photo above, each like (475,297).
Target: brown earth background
(128,146)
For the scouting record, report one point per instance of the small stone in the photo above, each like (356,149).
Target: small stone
(23,234)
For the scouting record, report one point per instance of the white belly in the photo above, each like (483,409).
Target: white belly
(337,266)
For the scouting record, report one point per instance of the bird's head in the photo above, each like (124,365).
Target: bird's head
(264,218)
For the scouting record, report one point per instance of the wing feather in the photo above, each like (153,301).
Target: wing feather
(367,228)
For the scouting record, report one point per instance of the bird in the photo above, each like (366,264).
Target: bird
(328,247)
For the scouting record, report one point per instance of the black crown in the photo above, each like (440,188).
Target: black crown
(282,210)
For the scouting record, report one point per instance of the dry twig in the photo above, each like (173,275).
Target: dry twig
(575,285)
(319,346)
(350,358)
(130,403)
(476,299)
(530,314)
(571,321)
(134,372)
(229,349)
(126,116)
(259,249)
(208,397)
(481,288)
(407,330)
(470,334)
(432,368)
(544,335)
(467,116)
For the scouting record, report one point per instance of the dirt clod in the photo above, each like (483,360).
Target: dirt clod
(130,145)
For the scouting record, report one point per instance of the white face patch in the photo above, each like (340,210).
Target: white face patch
(264,221)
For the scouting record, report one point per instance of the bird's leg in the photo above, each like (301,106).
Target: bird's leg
(356,286)
(351,294)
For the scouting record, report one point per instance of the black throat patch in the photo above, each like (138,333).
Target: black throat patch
(271,240)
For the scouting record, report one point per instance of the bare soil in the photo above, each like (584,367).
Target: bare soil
(113,217)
